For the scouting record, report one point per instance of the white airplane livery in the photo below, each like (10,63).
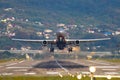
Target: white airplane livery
(61,41)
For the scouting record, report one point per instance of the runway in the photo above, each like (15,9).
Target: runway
(58,67)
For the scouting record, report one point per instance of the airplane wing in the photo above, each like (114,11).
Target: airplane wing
(68,41)
(85,40)
(33,40)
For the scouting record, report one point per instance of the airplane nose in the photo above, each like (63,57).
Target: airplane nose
(60,32)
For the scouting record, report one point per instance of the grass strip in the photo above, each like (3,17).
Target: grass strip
(49,78)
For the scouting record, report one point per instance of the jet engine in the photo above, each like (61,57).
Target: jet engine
(44,43)
(77,42)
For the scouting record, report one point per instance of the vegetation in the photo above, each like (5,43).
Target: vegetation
(4,56)
(67,11)
(100,14)
(113,60)
(5,60)
(47,78)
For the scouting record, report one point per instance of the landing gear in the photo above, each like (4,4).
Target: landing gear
(70,49)
(51,49)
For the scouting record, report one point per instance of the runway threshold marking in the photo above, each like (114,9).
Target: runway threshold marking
(111,73)
(21,61)
(108,67)
(11,64)
(30,73)
(6,73)
(1,66)
(99,62)
(17,67)
(52,73)
(20,70)
(106,76)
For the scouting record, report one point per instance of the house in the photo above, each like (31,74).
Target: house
(91,31)
(117,32)
(107,33)
(61,24)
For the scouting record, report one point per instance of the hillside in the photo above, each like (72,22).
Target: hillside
(66,11)
(102,15)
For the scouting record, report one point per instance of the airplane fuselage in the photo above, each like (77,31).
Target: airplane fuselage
(61,42)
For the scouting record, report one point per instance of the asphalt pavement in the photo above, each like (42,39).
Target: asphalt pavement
(58,67)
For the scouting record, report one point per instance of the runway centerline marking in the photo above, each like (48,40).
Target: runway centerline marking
(61,66)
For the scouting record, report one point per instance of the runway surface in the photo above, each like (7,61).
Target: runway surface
(58,67)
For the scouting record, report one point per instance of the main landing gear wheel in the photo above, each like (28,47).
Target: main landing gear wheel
(51,49)
(70,49)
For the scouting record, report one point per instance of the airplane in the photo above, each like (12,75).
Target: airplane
(61,41)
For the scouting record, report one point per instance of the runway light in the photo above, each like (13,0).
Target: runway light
(109,77)
(79,76)
(92,69)
(73,76)
(60,75)
(69,74)
(84,75)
